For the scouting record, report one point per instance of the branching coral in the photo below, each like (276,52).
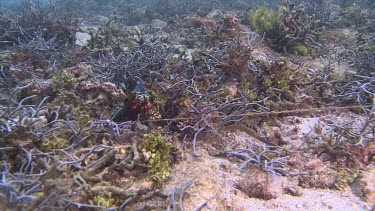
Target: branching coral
(266,157)
(39,31)
(127,67)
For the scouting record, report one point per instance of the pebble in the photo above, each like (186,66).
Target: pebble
(158,24)
(350,204)
(82,39)
(299,205)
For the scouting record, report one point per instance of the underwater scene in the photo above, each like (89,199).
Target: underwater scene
(187,105)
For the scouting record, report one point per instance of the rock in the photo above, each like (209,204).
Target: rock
(365,186)
(213,14)
(258,184)
(299,205)
(57,186)
(294,191)
(273,135)
(158,24)
(313,163)
(188,54)
(345,37)
(89,28)
(100,19)
(82,38)
(320,177)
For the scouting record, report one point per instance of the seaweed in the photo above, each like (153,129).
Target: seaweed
(159,156)
(285,28)
(267,22)
(104,201)
(299,49)
(63,80)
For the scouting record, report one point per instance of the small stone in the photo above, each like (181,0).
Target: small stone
(351,204)
(294,191)
(158,24)
(82,39)
(213,14)
(102,19)
(254,183)
(365,186)
(299,205)
(188,54)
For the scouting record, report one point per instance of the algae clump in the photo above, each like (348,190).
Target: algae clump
(54,142)
(63,80)
(267,22)
(104,201)
(299,48)
(159,153)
